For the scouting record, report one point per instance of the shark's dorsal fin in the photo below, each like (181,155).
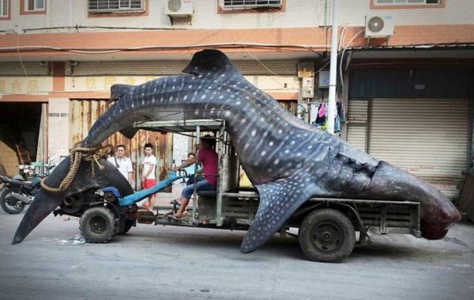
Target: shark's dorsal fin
(210,62)
(119,90)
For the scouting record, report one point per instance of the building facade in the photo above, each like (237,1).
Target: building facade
(405,71)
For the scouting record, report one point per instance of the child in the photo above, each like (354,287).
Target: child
(148,174)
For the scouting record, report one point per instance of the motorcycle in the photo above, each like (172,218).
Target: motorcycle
(18,193)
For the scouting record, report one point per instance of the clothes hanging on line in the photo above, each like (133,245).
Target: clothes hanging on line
(341,111)
(322,117)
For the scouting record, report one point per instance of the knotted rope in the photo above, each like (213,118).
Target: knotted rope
(76,155)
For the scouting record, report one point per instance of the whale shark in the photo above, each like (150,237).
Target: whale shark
(285,158)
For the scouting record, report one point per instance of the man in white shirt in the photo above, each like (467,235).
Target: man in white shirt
(123,163)
(149,174)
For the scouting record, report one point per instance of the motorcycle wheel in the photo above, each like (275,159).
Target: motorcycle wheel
(11,207)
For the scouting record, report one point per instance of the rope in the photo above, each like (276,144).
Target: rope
(77,154)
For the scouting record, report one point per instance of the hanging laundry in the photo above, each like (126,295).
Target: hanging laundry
(341,112)
(322,110)
(337,124)
(321,115)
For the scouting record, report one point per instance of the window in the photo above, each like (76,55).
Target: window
(110,6)
(250,4)
(4,9)
(408,2)
(35,5)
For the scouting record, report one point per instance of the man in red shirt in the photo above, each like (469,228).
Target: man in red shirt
(208,158)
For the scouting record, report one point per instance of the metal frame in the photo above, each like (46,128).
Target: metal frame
(236,209)
(383,216)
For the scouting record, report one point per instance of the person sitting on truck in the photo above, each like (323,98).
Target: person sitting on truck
(193,171)
(208,158)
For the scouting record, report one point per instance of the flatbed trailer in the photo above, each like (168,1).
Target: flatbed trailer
(328,228)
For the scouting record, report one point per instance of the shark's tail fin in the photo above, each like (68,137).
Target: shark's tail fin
(117,91)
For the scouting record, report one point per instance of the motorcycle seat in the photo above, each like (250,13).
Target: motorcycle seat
(22,182)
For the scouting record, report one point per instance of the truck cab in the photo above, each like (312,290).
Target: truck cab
(230,205)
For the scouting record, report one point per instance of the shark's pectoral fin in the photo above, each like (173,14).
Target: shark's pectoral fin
(119,90)
(129,132)
(278,201)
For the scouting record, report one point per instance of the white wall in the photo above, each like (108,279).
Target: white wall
(58,129)
(298,13)
(352,13)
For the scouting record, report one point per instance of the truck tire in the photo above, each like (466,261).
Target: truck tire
(98,225)
(326,235)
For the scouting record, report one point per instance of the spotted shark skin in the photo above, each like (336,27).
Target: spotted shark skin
(286,159)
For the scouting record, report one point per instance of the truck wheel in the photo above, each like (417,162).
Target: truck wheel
(326,235)
(98,225)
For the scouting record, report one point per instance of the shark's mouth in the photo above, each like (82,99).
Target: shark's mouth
(435,231)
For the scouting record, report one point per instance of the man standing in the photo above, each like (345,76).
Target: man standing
(122,162)
(148,174)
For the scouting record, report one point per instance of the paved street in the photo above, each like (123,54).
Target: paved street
(186,263)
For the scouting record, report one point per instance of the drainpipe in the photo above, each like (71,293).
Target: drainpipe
(333,71)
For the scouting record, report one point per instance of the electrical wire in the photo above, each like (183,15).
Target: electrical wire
(118,28)
(19,55)
(154,47)
(342,56)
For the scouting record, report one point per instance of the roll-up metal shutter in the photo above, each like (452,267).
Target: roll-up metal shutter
(426,137)
(358,123)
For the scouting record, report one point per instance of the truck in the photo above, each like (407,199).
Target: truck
(327,228)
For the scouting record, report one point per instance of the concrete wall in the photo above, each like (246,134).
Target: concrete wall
(297,13)
(70,13)
(25,85)
(58,130)
(103,83)
(352,13)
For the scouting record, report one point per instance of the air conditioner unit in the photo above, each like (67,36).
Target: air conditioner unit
(179,8)
(379,26)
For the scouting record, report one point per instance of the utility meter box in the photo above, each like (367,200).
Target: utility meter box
(323,79)
(307,87)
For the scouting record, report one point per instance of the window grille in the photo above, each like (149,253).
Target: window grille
(34,5)
(249,4)
(407,2)
(3,8)
(105,6)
